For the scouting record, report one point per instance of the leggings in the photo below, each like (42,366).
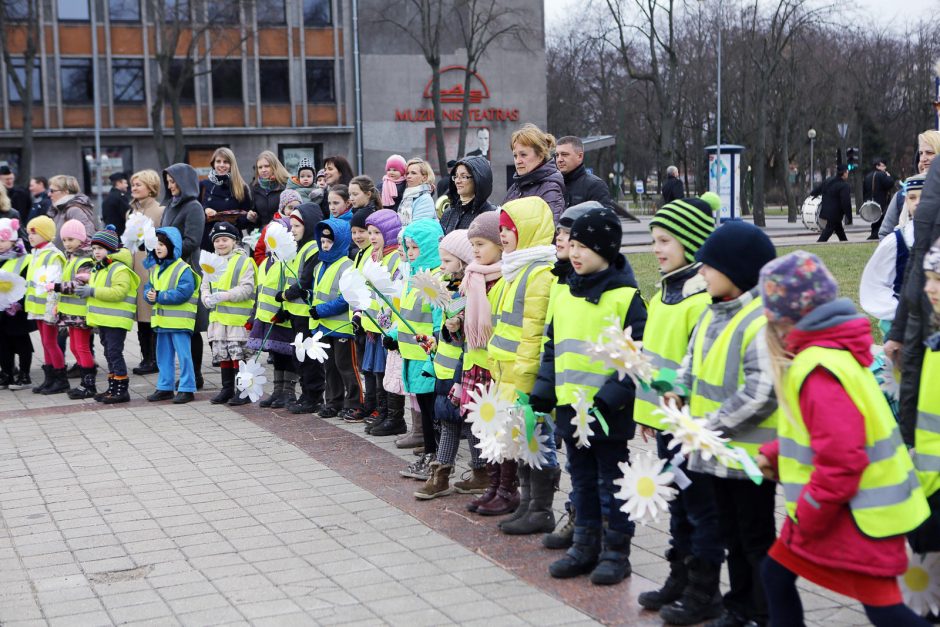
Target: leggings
(426,403)
(451,433)
(10,347)
(283,362)
(786,609)
(80,344)
(51,353)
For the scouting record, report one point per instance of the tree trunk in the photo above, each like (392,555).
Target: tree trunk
(760,159)
(179,143)
(156,124)
(464,112)
(438,120)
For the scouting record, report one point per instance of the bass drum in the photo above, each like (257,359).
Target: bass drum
(810,214)
(870,211)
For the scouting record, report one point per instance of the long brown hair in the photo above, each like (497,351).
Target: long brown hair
(368,188)
(236,182)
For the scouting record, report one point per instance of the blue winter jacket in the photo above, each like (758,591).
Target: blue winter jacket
(185,286)
(342,239)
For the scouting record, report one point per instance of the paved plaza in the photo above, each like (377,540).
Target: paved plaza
(159,514)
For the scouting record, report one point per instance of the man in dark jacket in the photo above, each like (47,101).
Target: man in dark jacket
(39,190)
(672,188)
(470,198)
(115,206)
(580,185)
(836,204)
(18,196)
(877,186)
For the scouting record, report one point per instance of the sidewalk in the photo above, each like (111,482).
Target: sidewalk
(199,515)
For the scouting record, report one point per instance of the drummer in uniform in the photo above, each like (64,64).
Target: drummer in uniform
(836,204)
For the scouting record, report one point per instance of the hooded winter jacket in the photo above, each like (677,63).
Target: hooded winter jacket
(185,285)
(546,182)
(184,211)
(342,238)
(312,217)
(78,207)
(459,216)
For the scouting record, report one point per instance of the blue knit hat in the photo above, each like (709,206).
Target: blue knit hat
(738,250)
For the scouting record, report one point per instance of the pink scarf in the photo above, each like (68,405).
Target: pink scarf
(389,191)
(478,322)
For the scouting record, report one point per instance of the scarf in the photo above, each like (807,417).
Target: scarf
(389,191)
(218,179)
(478,321)
(407,198)
(514,262)
(267,184)
(379,255)
(16,252)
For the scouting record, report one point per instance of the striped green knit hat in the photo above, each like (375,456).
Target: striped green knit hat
(689,220)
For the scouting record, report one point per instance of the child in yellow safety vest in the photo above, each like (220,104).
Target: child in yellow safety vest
(172,292)
(14,326)
(727,379)
(360,253)
(41,303)
(848,480)
(111,299)
(73,310)
(230,300)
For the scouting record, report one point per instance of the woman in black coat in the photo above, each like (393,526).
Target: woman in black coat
(224,195)
(270,180)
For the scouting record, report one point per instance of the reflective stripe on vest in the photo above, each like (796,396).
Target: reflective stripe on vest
(391,262)
(298,306)
(36,302)
(419,315)
(719,374)
(577,321)
(325,290)
(447,360)
(110,314)
(890,500)
(182,316)
(927,432)
(231,313)
(507,332)
(15,266)
(71,304)
(481,356)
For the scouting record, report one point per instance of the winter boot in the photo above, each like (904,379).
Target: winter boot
(613,566)
(276,390)
(581,558)
(381,413)
(228,387)
(85,389)
(507,495)
(476,484)
(120,393)
(672,589)
(415,437)
(100,396)
(492,471)
(539,517)
(438,484)
(46,380)
(419,469)
(701,599)
(303,405)
(59,382)
(563,537)
(288,396)
(394,423)
(522,474)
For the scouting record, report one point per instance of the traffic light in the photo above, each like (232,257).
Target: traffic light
(852,158)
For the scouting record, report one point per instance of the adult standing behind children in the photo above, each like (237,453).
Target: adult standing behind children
(224,195)
(115,205)
(68,203)
(336,170)
(471,182)
(145,185)
(536,172)
(270,180)
(417,202)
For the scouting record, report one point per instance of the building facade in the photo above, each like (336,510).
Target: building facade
(288,85)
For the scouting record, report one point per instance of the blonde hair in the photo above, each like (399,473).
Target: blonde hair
(150,179)
(425,168)
(236,182)
(280,172)
(931,138)
(532,136)
(780,361)
(66,183)
(5,204)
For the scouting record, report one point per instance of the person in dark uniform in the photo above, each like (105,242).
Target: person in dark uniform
(836,204)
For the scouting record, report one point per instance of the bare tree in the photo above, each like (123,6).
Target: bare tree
(23,16)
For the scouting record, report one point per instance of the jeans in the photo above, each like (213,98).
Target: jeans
(175,346)
(593,471)
(112,340)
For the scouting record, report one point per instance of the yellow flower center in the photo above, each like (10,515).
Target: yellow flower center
(645,487)
(430,292)
(487,412)
(534,445)
(6,286)
(271,242)
(917,579)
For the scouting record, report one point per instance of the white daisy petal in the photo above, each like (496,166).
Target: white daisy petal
(46,274)
(250,379)
(316,349)
(533,453)
(353,287)
(279,242)
(645,488)
(690,434)
(487,412)
(582,419)
(616,349)
(138,230)
(300,347)
(920,584)
(212,266)
(12,289)
(380,279)
(431,288)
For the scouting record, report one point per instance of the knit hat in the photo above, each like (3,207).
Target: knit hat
(793,285)
(738,250)
(43,225)
(306,164)
(713,200)
(321,173)
(486,226)
(288,196)
(107,239)
(915,182)
(327,233)
(388,223)
(458,244)
(73,229)
(932,258)
(599,230)
(574,212)
(359,217)
(224,229)
(9,229)
(505,222)
(689,220)
(396,162)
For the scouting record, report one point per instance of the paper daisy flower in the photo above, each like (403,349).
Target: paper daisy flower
(316,349)
(920,584)
(279,242)
(690,434)
(139,230)
(46,274)
(212,266)
(250,379)
(353,287)
(645,488)
(379,278)
(12,289)
(582,419)
(533,452)
(616,348)
(491,449)
(487,413)
(431,288)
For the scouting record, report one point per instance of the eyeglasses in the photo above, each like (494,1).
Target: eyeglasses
(460,177)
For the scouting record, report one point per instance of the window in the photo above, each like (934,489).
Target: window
(16,10)
(176,11)
(76,84)
(188,93)
(271,12)
(317,13)
(73,10)
(20,69)
(227,81)
(320,80)
(124,10)
(274,80)
(222,12)
(127,77)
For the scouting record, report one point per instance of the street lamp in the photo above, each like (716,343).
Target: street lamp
(812,169)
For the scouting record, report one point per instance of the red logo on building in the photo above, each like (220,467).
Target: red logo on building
(452,79)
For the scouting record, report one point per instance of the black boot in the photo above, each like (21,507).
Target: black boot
(100,396)
(276,390)
(563,537)
(539,517)
(381,406)
(147,339)
(701,599)
(120,393)
(394,423)
(85,389)
(581,558)
(228,387)
(672,589)
(288,396)
(525,496)
(238,400)
(59,383)
(46,380)
(613,565)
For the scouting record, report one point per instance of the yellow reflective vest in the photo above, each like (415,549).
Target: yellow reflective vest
(233,313)
(73,304)
(325,290)
(113,314)
(481,356)
(391,262)
(927,434)
(16,266)
(182,316)
(271,282)
(507,332)
(890,500)
(298,306)
(421,317)
(48,256)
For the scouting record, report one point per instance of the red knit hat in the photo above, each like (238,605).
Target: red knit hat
(505,222)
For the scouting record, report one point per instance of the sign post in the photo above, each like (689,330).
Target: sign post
(724,179)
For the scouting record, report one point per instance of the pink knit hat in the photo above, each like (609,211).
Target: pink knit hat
(9,229)
(74,229)
(458,244)
(396,162)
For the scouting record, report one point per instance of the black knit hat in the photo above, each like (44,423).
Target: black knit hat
(599,230)
(224,229)
(359,217)
(327,233)
(306,164)
(738,250)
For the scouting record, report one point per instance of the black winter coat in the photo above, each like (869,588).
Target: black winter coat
(836,198)
(20,199)
(114,209)
(673,189)
(581,186)
(265,203)
(459,216)
(184,211)
(221,198)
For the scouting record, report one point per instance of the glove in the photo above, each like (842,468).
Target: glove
(214,299)
(540,405)
(249,325)
(389,343)
(84,291)
(357,323)
(13,309)
(313,313)
(280,316)
(54,287)
(279,297)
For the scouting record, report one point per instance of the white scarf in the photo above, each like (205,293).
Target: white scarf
(407,198)
(515,261)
